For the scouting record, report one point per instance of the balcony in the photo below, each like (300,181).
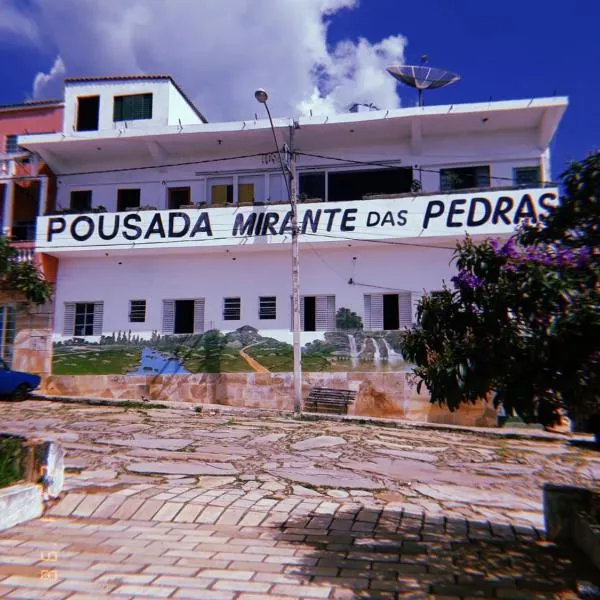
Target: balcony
(442,217)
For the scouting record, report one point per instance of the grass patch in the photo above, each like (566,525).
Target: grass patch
(95,360)
(12,455)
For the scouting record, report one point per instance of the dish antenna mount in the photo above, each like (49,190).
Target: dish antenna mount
(422,77)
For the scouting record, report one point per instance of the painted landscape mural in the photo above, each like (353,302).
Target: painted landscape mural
(348,348)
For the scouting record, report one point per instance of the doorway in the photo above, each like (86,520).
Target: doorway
(184,316)
(391,312)
(87,113)
(310,313)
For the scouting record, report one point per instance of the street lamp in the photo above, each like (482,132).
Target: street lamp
(262,97)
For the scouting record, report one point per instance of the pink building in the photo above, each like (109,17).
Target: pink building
(26,184)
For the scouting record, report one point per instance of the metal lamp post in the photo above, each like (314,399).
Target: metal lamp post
(262,97)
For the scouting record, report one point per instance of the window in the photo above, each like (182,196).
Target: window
(221,194)
(88,109)
(527,176)
(232,309)
(388,312)
(251,189)
(81,200)
(133,107)
(317,313)
(178,197)
(137,311)
(312,186)
(10,144)
(183,316)
(356,184)
(128,199)
(8,321)
(464,178)
(267,308)
(83,319)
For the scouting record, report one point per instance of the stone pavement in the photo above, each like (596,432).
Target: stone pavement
(174,504)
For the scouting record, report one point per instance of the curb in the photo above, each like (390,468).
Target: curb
(224,409)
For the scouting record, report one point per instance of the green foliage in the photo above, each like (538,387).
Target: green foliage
(21,277)
(213,344)
(348,320)
(523,319)
(12,459)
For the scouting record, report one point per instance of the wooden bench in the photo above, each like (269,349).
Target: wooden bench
(329,400)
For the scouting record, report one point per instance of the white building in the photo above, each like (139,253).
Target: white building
(194,230)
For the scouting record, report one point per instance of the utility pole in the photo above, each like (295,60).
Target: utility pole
(295,279)
(289,176)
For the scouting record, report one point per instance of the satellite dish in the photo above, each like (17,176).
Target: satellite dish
(422,77)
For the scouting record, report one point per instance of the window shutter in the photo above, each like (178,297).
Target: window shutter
(69,320)
(374,312)
(168,324)
(292,313)
(199,315)
(406,309)
(98,317)
(325,313)
(415,299)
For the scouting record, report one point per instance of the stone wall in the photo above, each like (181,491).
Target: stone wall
(32,349)
(380,394)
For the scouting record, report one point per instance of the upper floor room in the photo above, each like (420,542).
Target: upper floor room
(117,103)
(37,116)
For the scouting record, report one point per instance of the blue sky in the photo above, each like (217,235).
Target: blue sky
(509,50)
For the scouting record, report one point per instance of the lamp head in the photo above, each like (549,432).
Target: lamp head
(261,95)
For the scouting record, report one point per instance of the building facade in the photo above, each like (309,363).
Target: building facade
(167,227)
(27,190)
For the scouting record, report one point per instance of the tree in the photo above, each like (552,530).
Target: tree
(348,320)
(522,319)
(21,278)
(213,343)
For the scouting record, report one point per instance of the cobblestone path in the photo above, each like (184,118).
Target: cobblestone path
(173,504)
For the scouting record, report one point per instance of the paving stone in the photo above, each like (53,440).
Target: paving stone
(336,478)
(184,468)
(322,441)
(144,442)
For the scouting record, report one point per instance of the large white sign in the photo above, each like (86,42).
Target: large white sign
(494,212)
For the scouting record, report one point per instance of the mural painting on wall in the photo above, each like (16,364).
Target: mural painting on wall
(348,348)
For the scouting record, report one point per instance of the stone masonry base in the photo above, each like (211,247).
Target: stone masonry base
(387,394)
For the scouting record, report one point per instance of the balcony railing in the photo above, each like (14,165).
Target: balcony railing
(25,251)
(302,199)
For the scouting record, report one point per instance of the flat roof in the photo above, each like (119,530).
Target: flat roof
(314,132)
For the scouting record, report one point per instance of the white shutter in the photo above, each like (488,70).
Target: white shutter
(373,312)
(69,320)
(168,321)
(199,315)
(292,313)
(98,317)
(406,309)
(325,313)
(415,299)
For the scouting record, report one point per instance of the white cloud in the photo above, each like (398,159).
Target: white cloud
(17,24)
(220,51)
(43,83)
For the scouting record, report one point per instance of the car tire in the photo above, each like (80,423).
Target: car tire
(22,392)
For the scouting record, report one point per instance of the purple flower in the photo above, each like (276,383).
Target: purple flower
(465,280)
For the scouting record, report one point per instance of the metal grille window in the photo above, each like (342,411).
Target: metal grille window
(232,309)
(8,320)
(83,318)
(527,176)
(464,178)
(10,144)
(132,108)
(137,311)
(267,308)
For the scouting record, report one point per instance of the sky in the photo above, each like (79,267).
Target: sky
(319,55)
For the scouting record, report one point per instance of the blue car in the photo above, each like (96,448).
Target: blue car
(15,384)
